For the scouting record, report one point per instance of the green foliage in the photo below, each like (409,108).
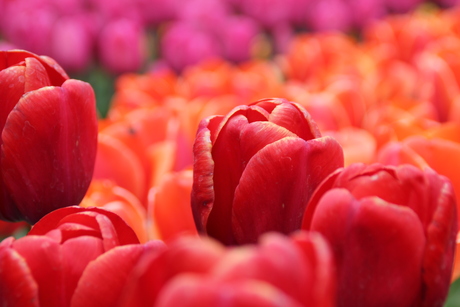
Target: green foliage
(453,299)
(103,85)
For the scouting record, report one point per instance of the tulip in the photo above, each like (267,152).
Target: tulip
(43,268)
(49,137)
(256,168)
(192,271)
(122,46)
(393,233)
(184,44)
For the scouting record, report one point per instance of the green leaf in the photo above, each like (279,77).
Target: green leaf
(453,299)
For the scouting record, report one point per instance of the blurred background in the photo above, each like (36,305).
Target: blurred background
(97,40)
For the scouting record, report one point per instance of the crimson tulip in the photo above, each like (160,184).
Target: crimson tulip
(393,233)
(191,271)
(44,267)
(256,168)
(48,137)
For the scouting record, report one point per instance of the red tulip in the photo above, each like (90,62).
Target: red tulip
(256,168)
(191,271)
(392,230)
(44,267)
(49,135)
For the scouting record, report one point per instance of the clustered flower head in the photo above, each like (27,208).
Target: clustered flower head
(327,176)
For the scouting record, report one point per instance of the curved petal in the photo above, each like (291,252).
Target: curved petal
(154,271)
(278,182)
(170,211)
(190,291)
(101,285)
(14,57)
(321,269)
(17,285)
(441,236)
(12,83)
(257,135)
(388,239)
(118,163)
(228,166)
(49,148)
(295,119)
(202,197)
(35,75)
(79,216)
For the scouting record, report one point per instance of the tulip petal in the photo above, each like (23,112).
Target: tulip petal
(172,203)
(387,244)
(35,75)
(189,291)
(17,285)
(49,147)
(202,197)
(76,254)
(101,285)
(441,241)
(228,167)
(56,268)
(280,262)
(153,271)
(321,267)
(14,57)
(12,83)
(55,219)
(278,182)
(257,135)
(294,118)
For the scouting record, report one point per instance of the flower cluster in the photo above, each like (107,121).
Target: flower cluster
(118,34)
(205,192)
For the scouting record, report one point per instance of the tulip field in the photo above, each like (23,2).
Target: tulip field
(270,155)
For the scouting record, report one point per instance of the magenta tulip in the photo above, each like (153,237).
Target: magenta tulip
(256,168)
(393,233)
(49,137)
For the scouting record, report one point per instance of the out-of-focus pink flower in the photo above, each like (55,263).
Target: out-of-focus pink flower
(238,38)
(206,15)
(402,6)
(183,45)
(268,13)
(122,46)
(363,12)
(326,15)
(28,25)
(4,46)
(71,44)
(155,12)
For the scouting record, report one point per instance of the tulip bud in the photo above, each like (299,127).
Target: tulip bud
(392,230)
(49,137)
(256,168)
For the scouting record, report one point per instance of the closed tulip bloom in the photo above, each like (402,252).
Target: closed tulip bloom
(392,230)
(256,168)
(49,137)
(44,267)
